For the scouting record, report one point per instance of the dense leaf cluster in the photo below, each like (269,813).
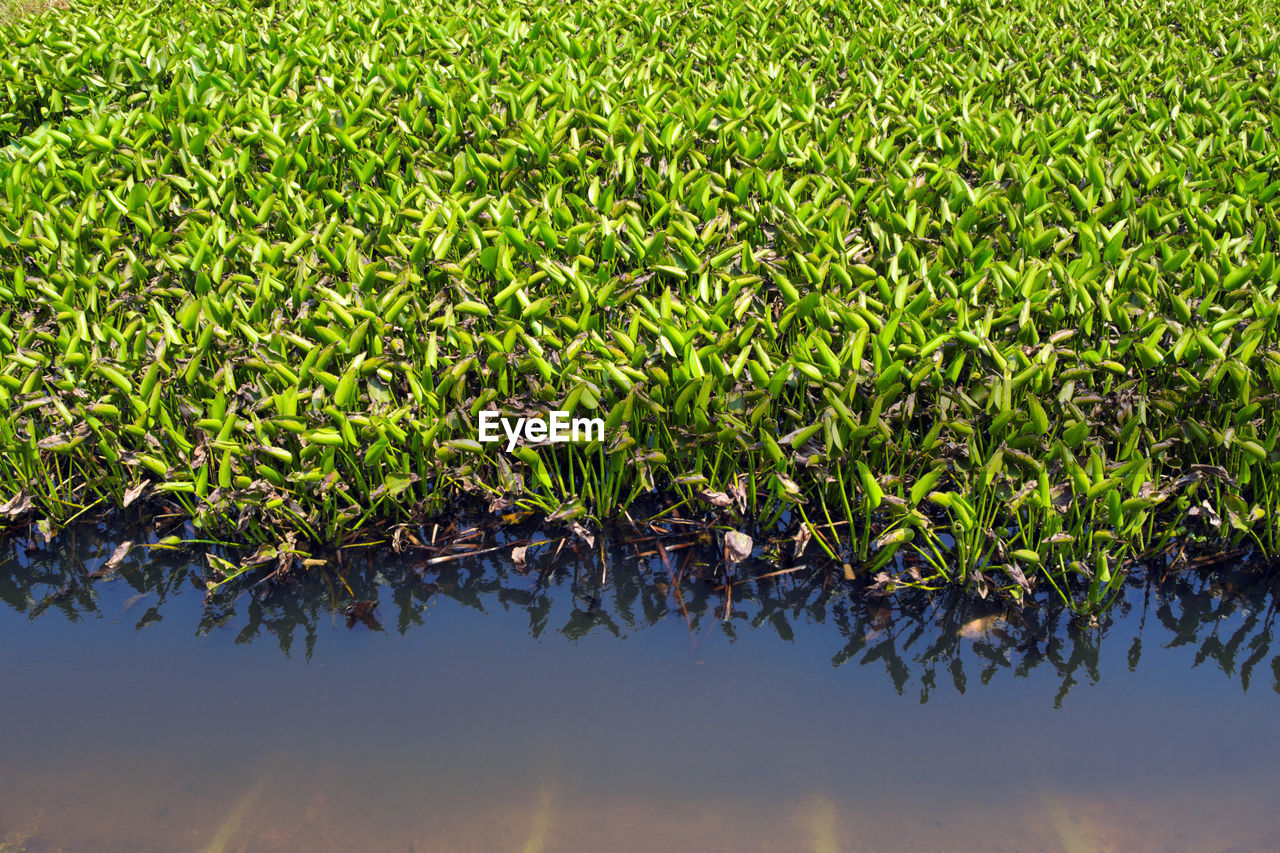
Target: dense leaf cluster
(995,282)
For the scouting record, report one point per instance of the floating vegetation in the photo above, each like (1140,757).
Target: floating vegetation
(965,293)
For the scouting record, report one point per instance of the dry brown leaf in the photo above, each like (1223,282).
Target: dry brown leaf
(718,499)
(1016,575)
(17,506)
(135,492)
(738,545)
(586,535)
(117,557)
(802,538)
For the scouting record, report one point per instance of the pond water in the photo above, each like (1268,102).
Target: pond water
(573,704)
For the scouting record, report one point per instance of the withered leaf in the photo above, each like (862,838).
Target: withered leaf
(738,545)
(18,505)
(802,538)
(584,534)
(717,499)
(1016,575)
(134,492)
(1206,511)
(738,491)
(1215,471)
(49,441)
(117,557)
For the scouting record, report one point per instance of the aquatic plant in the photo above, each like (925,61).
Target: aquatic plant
(975,292)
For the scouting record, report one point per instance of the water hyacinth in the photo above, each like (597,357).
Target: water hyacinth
(974,292)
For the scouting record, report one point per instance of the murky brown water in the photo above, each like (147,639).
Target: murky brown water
(494,712)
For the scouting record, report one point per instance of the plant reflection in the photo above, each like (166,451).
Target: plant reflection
(1226,614)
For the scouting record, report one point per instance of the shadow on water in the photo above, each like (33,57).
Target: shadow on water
(920,640)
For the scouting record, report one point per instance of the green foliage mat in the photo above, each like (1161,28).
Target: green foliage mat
(993,283)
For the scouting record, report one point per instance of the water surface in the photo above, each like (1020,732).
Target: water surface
(488,707)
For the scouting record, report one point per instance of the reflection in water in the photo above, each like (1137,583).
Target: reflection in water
(1227,615)
(568,703)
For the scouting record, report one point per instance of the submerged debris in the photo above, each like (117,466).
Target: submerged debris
(363,612)
(980,627)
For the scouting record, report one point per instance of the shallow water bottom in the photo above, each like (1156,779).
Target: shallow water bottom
(93,805)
